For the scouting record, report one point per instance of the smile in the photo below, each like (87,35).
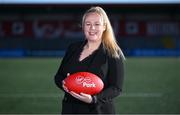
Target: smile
(92,33)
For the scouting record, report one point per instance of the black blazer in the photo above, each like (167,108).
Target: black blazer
(109,69)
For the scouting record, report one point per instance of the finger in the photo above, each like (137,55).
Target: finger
(68,74)
(87,97)
(75,95)
(84,94)
(63,82)
(72,92)
(65,88)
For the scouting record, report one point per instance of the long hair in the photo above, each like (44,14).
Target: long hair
(108,37)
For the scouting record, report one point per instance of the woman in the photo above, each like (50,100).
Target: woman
(98,54)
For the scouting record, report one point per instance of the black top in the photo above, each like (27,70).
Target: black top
(78,66)
(109,69)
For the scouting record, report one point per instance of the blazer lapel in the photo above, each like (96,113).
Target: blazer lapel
(99,60)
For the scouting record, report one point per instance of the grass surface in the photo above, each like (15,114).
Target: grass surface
(151,85)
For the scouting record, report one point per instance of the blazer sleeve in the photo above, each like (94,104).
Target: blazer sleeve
(115,78)
(59,76)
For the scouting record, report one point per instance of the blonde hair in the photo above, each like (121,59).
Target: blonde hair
(108,38)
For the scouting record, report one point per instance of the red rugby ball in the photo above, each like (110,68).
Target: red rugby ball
(84,82)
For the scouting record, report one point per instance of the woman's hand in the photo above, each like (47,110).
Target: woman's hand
(82,96)
(63,82)
(64,87)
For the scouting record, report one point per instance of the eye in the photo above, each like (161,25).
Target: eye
(88,24)
(97,24)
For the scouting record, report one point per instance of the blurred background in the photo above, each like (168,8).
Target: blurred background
(34,36)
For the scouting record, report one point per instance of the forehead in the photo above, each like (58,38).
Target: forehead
(93,16)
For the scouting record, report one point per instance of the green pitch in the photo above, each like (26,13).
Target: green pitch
(151,85)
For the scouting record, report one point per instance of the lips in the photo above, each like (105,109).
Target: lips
(92,33)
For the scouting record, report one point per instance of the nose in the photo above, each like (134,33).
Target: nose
(92,27)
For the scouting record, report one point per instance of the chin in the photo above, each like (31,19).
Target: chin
(93,39)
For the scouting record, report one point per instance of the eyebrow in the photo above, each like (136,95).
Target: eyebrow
(90,22)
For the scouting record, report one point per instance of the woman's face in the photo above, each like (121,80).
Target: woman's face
(93,27)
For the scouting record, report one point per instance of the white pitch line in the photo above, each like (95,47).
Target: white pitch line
(141,95)
(55,95)
(30,95)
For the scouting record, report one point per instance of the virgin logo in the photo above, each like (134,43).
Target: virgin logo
(85,81)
